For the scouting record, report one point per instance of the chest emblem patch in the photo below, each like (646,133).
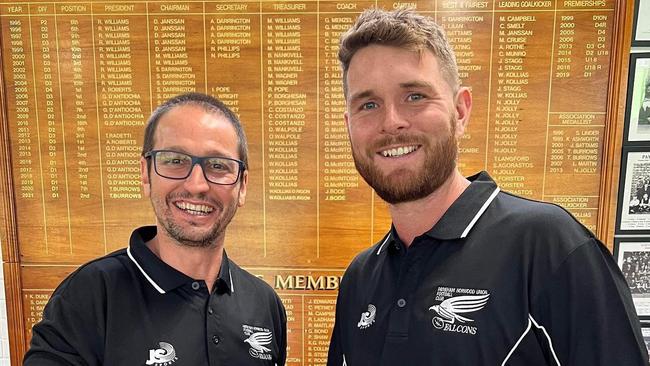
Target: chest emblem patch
(456,301)
(367,317)
(258,339)
(163,356)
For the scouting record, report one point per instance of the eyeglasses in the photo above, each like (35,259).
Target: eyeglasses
(177,165)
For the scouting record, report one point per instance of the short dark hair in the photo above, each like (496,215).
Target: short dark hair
(210,104)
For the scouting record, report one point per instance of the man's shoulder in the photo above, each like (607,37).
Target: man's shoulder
(249,281)
(521,204)
(371,253)
(540,214)
(97,273)
(367,257)
(544,228)
(109,263)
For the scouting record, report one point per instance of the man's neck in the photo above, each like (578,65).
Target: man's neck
(414,218)
(200,263)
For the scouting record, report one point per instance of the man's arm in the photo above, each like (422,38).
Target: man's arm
(335,355)
(587,313)
(72,329)
(282,358)
(63,337)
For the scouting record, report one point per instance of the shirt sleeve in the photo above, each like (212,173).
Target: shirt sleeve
(335,355)
(70,332)
(585,314)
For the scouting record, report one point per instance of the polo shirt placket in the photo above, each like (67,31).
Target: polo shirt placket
(409,264)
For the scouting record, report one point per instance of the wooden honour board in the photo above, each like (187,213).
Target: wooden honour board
(79,80)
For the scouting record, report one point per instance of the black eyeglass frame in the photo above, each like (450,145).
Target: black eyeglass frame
(196,160)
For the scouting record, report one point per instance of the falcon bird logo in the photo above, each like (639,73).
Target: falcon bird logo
(367,317)
(257,342)
(450,309)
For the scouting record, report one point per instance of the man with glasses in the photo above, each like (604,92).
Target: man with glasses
(172,297)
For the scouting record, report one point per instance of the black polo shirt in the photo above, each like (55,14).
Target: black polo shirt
(131,308)
(499,280)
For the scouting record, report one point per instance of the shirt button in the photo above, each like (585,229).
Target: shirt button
(195,285)
(210,311)
(401,303)
(215,339)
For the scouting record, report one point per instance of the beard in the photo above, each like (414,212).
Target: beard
(186,234)
(406,184)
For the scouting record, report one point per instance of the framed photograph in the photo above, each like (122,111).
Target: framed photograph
(633,257)
(641,29)
(633,214)
(637,110)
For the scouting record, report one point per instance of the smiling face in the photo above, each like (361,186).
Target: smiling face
(404,121)
(193,211)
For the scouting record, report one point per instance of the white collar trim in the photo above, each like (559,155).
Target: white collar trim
(232,284)
(480,212)
(151,281)
(381,247)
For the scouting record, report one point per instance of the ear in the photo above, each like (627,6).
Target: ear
(463,110)
(242,189)
(144,177)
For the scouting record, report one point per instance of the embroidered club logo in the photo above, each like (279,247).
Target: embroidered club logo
(453,303)
(367,317)
(258,339)
(163,356)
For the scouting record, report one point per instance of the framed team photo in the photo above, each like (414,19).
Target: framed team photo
(641,32)
(633,257)
(637,110)
(633,215)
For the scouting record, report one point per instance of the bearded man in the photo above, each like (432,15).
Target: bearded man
(468,274)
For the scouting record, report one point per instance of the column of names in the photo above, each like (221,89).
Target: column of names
(122,109)
(286,108)
(174,69)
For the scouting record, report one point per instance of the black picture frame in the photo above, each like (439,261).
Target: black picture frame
(637,106)
(632,254)
(633,212)
(641,31)
(645,332)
